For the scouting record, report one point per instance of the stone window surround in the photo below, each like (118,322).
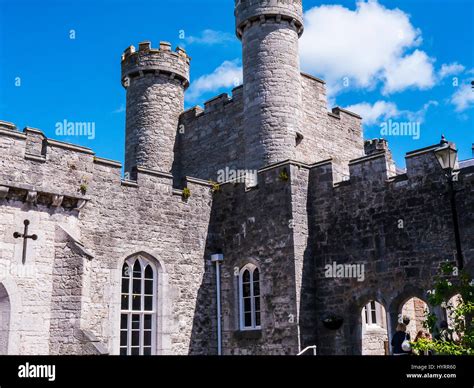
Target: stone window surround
(250,267)
(144,263)
(162,343)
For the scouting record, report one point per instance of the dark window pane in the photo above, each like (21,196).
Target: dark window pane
(125,283)
(257,304)
(366,315)
(148,272)
(137,286)
(135,338)
(248,319)
(135,351)
(149,287)
(123,321)
(256,275)
(125,271)
(123,351)
(374,316)
(136,302)
(247,304)
(147,351)
(135,321)
(123,338)
(147,321)
(124,302)
(257,318)
(148,303)
(256,288)
(137,270)
(246,276)
(246,289)
(147,338)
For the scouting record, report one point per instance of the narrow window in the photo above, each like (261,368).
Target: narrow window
(138,311)
(249,297)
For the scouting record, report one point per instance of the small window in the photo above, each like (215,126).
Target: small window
(249,298)
(373,314)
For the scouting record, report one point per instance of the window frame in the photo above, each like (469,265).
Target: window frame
(144,262)
(251,268)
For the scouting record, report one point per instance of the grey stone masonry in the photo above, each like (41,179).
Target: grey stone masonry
(155,80)
(322,196)
(272,81)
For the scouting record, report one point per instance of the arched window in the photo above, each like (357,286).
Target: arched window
(4,320)
(138,307)
(249,297)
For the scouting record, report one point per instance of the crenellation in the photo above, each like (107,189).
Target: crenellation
(322,195)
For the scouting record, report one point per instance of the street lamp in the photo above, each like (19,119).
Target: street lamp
(447,157)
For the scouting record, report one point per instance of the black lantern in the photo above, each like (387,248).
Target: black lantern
(447,157)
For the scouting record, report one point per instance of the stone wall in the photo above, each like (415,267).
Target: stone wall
(113,219)
(255,227)
(399,227)
(210,140)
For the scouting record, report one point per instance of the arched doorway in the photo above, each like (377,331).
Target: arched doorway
(374,329)
(413,314)
(4,320)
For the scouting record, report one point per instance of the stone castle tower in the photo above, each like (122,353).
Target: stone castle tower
(269,31)
(155,80)
(122,264)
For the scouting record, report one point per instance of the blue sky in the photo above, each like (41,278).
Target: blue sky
(407,61)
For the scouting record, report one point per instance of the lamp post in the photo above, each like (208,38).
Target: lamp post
(447,158)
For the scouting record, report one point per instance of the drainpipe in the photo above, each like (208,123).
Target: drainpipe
(218,258)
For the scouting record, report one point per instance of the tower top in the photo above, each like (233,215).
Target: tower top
(247,11)
(148,60)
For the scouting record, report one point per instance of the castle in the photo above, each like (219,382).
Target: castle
(168,259)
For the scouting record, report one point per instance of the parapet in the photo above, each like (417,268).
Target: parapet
(162,61)
(215,104)
(375,145)
(248,11)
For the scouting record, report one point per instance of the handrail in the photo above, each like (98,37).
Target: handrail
(307,348)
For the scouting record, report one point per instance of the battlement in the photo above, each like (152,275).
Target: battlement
(162,61)
(58,174)
(215,104)
(259,11)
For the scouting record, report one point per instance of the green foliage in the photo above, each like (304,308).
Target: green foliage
(84,186)
(283,176)
(186,193)
(459,339)
(216,187)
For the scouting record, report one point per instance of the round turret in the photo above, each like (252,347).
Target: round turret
(155,80)
(269,30)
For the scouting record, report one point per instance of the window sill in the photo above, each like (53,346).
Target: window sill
(248,334)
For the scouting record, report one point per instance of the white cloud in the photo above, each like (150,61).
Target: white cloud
(368,45)
(373,113)
(447,70)
(414,70)
(210,37)
(463,98)
(382,110)
(228,74)
(419,115)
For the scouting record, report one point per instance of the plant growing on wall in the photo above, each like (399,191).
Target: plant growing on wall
(186,193)
(458,339)
(283,176)
(84,186)
(216,187)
